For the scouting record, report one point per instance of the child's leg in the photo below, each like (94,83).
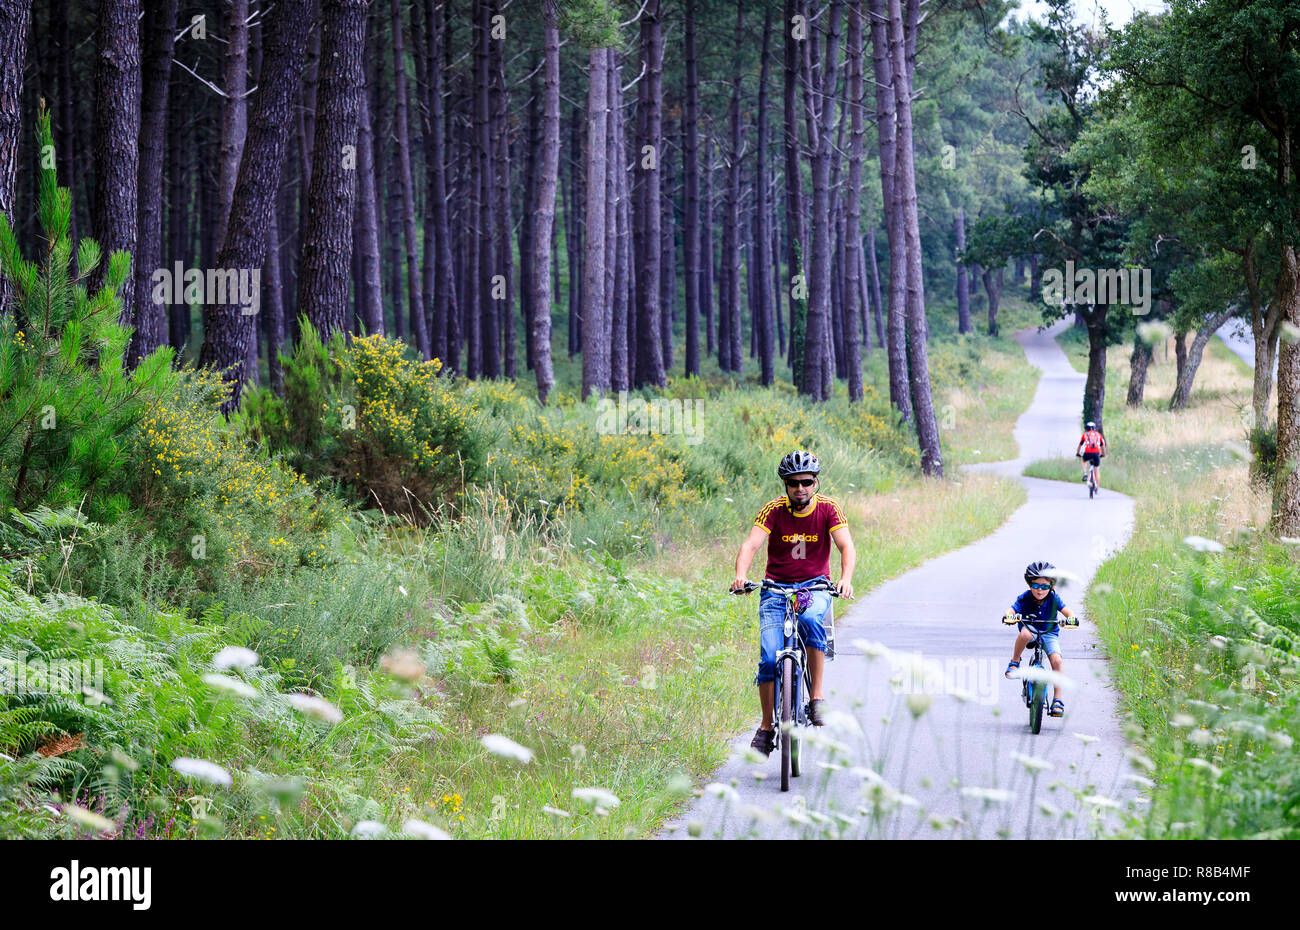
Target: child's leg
(1057,665)
(1022,640)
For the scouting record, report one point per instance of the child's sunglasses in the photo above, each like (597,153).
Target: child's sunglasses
(1040,587)
(800,482)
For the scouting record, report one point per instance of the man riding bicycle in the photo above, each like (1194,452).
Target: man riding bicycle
(799,528)
(1092,445)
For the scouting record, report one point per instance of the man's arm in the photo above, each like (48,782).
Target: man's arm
(848,559)
(757,536)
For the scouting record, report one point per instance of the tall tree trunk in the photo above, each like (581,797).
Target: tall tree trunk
(731,230)
(325,266)
(542,212)
(159,25)
(234,109)
(993,288)
(573,234)
(667,255)
(225,332)
(963,279)
(706,253)
(1137,380)
(619,375)
(762,237)
(887,129)
(1035,280)
(595,349)
(1094,388)
(691,176)
(853,217)
(649,359)
(117,131)
(927,430)
(531,159)
(15,23)
(445,335)
(1187,372)
(504,256)
(405,179)
(819,279)
(1286,487)
(370,299)
(876,301)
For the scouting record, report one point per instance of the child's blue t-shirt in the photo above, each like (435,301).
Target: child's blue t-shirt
(1041,615)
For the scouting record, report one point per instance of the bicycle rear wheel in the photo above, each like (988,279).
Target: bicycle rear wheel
(787,718)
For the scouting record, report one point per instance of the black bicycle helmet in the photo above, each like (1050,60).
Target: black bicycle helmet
(1040,570)
(797,463)
(1090,425)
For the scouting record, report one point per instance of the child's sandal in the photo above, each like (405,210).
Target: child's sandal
(1011,666)
(1058,708)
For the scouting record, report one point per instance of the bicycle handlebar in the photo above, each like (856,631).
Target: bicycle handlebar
(769,584)
(1069,623)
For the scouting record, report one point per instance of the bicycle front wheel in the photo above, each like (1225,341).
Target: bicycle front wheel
(1037,698)
(787,718)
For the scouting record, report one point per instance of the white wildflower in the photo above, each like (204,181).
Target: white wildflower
(988,795)
(315,707)
(202,770)
(1086,738)
(1201,544)
(598,797)
(504,746)
(369,830)
(234,657)
(1031,763)
(88,819)
(722,792)
(233,685)
(423,831)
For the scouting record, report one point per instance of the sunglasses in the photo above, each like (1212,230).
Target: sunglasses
(800,482)
(1040,587)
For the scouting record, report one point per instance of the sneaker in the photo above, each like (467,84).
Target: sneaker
(815,710)
(764,741)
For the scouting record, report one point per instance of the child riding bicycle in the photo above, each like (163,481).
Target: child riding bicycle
(1034,614)
(798,528)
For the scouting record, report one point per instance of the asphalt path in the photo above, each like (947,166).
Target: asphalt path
(1237,336)
(926,738)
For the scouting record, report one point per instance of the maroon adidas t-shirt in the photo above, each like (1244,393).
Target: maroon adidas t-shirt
(799,546)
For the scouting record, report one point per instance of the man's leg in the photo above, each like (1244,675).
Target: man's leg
(767,697)
(816,663)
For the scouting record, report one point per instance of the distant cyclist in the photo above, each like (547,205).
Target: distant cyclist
(798,528)
(1092,446)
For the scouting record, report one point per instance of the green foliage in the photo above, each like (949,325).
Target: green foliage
(362,413)
(68,411)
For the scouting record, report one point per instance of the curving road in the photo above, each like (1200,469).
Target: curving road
(881,770)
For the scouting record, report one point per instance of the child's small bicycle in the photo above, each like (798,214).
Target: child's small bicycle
(1035,692)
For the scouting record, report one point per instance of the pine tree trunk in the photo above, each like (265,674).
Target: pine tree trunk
(887,129)
(284,48)
(15,23)
(691,176)
(542,212)
(159,27)
(762,236)
(855,306)
(619,376)
(817,361)
(667,253)
(573,234)
(445,334)
(405,179)
(533,144)
(731,231)
(370,300)
(649,358)
(117,131)
(325,265)
(927,430)
(877,303)
(963,279)
(993,288)
(595,349)
(234,109)
(706,252)
(504,307)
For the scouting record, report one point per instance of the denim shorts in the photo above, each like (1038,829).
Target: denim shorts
(1051,639)
(771,623)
